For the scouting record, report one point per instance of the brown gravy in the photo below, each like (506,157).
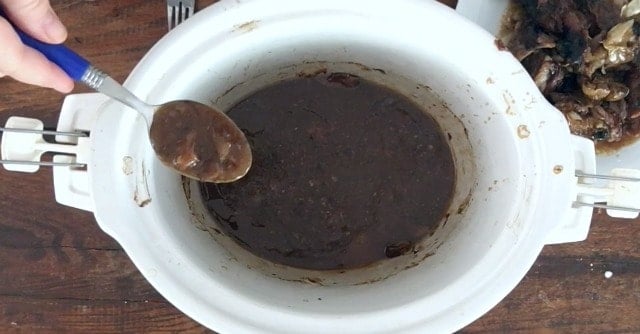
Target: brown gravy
(199,142)
(346,173)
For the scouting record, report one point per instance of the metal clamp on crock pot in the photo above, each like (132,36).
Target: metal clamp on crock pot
(621,193)
(23,144)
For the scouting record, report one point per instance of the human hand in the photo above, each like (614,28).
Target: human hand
(37,19)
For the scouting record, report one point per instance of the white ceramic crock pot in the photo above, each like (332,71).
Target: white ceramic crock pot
(515,163)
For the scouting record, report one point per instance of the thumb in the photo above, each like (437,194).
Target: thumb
(36,18)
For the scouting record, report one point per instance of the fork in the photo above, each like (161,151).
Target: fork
(178,11)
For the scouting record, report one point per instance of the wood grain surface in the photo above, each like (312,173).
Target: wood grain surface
(60,273)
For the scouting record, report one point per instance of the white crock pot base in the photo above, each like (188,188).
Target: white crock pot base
(487,253)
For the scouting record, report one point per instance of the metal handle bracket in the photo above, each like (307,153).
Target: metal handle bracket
(621,192)
(23,145)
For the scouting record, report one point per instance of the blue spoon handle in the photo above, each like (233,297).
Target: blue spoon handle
(79,69)
(70,62)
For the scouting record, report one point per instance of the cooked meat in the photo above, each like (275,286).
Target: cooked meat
(546,73)
(580,115)
(602,87)
(629,10)
(633,99)
(606,13)
(584,57)
(621,43)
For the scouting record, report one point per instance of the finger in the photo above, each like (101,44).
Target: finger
(36,18)
(28,65)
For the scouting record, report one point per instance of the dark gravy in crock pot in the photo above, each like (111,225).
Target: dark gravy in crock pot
(345,173)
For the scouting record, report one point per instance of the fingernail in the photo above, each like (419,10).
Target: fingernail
(54,29)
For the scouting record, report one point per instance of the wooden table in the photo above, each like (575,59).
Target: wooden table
(60,273)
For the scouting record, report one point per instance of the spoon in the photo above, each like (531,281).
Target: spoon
(193,139)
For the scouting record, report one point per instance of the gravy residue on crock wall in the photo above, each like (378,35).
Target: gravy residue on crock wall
(345,173)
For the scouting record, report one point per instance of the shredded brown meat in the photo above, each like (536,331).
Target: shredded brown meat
(584,57)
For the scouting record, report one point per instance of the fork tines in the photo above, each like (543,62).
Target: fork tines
(178,11)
